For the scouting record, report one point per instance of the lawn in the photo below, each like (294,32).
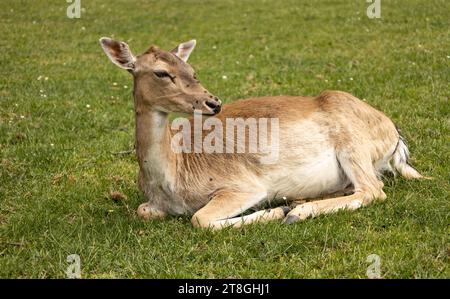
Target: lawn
(66,112)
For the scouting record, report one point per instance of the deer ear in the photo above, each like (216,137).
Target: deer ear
(118,52)
(183,50)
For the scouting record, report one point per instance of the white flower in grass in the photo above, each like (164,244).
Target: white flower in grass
(115,83)
(52,145)
(88,106)
(125,86)
(224,77)
(22,116)
(214,47)
(351,79)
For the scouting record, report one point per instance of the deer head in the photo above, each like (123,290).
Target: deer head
(163,81)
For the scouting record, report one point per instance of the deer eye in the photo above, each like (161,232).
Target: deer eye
(162,74)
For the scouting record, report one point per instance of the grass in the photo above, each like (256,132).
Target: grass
(62,118)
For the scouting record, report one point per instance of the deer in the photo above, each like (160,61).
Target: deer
(333,149)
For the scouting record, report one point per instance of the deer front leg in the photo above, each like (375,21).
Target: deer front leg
(146,211)
(220,212)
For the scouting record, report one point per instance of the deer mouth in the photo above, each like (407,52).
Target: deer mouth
(212,106)
(207,106)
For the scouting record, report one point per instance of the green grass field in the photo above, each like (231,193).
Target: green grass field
(66,110)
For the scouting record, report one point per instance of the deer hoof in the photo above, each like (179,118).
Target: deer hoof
(291,219)
(286,210)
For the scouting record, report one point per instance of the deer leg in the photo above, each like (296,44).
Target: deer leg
(222,209)
(147,212)
(347,191)
(367,188)
(326,206)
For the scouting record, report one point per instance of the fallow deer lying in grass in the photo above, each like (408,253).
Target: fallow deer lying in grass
(327,144)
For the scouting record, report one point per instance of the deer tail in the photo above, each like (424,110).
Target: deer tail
(400,161)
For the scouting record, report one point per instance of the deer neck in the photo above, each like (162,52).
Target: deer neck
(157,161)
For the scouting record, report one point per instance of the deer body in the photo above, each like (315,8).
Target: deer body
(332,143)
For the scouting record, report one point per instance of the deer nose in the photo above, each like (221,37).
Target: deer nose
(215,106)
